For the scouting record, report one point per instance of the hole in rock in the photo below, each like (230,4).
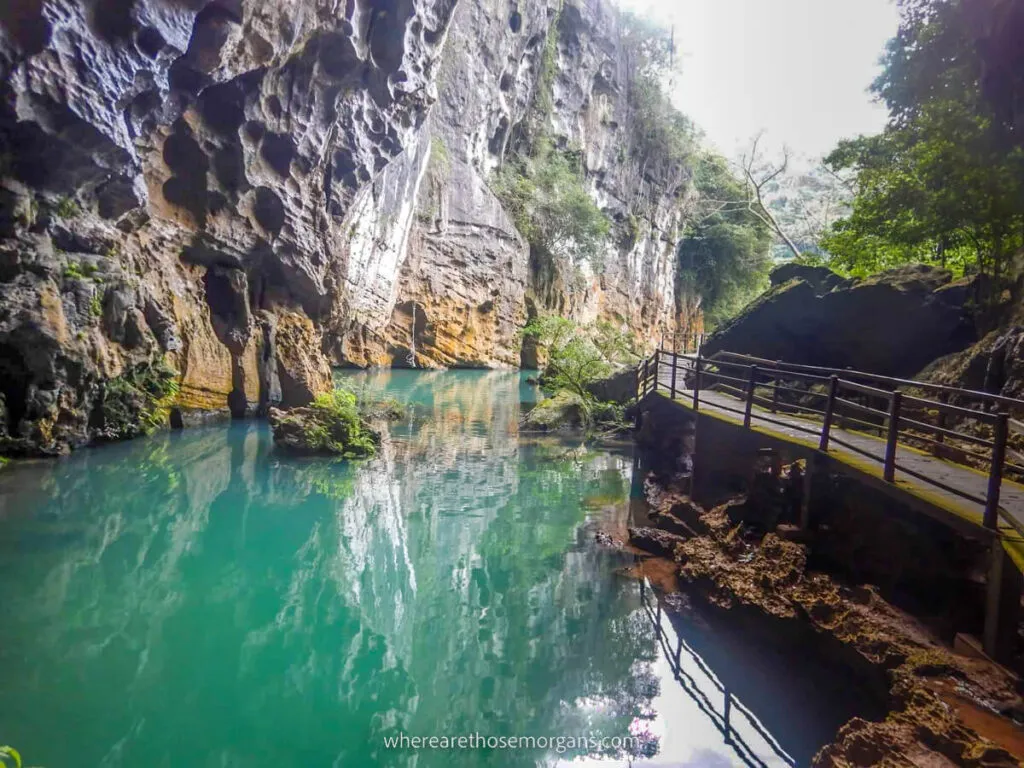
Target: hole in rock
(497,143)
(338,56)
(150,41)
(506,81)
(274,106)
(268,210)
(14,382)
(183,78)
(237,403)
(229,167)
(189,163)
(209,33)
(222,108)
(254,129)
(112,19)
(515,21)
(25,26)
(387,35)
(278,150)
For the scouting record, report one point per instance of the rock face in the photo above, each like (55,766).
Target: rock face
(894,323)
(469,282)
(249,190)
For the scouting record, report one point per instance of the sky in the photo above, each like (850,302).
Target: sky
(798,70)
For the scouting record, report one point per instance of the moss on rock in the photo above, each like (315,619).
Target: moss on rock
(334,423)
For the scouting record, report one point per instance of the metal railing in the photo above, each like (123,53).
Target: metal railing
(857,401)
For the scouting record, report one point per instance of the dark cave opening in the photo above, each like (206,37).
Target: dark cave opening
(14,383)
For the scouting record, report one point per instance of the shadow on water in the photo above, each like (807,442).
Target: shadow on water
(199,599)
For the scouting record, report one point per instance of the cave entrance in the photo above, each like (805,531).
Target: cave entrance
(14,384)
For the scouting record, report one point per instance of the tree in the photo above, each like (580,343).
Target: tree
(724,255)
(758,196)
(806,205)
(944,182)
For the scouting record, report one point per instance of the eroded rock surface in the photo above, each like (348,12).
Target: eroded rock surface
(248,190)
(191,181)
(945,709)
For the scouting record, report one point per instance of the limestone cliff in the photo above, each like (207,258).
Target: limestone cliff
(251,190)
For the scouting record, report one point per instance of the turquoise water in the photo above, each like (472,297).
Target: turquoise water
(197,599)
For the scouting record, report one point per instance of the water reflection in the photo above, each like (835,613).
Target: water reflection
(198,599)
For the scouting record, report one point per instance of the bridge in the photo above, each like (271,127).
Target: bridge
(949,451)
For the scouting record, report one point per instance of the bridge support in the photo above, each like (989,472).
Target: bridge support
(1002,604)
(805,500)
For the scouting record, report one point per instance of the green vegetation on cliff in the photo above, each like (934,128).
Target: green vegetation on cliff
(545,196)
(724,250)
(944,182)
(138,402)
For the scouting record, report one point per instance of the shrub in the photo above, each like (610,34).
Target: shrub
(578,357)
(545,196)
(137,402)
(67,208)
(340,427)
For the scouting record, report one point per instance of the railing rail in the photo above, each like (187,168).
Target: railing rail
(878,402)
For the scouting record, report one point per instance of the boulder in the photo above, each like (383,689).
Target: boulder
(313,430)
(564,410)
(893,323)
(822,279)
(619,388)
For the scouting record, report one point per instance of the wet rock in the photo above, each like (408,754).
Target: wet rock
(656,541)
(943,706)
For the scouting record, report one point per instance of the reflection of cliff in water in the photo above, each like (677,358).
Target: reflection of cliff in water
(201,584)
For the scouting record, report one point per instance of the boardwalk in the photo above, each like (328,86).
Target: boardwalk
(916,472)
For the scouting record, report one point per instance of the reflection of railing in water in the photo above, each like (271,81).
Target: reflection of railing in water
(721,721)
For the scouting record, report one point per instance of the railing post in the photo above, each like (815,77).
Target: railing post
(675,363)
(995,475)
(895,403)
(696,383)
(751,385)
(775,389)
(657,368)
(939,438)
(833,388)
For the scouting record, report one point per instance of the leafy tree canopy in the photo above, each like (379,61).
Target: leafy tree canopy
(725,253)
(944,182)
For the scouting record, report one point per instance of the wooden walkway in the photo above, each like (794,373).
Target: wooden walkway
(959,491)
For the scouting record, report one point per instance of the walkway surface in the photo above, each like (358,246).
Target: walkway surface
(806,432)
